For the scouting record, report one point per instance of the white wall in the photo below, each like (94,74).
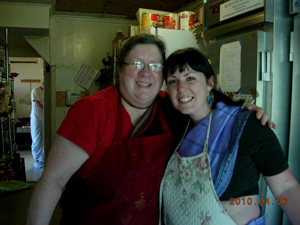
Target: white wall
(24,15)
(22,90)
(78,40)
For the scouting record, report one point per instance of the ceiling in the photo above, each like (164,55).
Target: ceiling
(125,8)
(119,7)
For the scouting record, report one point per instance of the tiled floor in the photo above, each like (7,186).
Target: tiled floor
(32,173)
(14,205)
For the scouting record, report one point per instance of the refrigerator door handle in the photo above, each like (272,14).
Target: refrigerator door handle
(292,46)
(265,66)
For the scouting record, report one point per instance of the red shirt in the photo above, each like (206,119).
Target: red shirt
(119,183)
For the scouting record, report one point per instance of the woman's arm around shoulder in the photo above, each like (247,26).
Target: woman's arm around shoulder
(64,159)
(261,115)
(285,185)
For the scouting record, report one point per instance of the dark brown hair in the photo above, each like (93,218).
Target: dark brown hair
(194,59)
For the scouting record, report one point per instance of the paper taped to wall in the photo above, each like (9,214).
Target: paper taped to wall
(86,76)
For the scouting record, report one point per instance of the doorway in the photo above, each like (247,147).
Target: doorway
(23,56)
(29,73)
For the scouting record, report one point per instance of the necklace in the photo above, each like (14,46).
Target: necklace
(133,106)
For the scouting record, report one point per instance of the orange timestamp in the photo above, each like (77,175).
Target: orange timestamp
(261,201)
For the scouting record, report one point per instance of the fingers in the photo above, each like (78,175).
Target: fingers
(250,107)
(264,118)
(261,115)
(259,111)
(271,124)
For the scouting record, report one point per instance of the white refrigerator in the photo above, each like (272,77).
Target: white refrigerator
(174,39)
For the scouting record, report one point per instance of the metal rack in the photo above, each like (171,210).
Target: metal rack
(5,78)
(9,159)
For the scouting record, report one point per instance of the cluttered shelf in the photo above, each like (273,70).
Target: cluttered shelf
(12,166)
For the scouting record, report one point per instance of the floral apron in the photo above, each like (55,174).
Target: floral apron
(188,193)
(123,187)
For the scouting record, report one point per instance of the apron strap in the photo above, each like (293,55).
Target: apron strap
(143,121)
(205,149)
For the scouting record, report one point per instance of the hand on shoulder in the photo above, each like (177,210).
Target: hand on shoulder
(261,115)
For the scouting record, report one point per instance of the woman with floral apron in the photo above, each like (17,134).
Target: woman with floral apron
(187,183)
(222,156)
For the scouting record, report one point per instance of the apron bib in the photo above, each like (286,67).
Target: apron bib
(124,187)
(188,193)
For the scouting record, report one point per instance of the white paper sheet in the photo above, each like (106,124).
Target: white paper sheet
(230,67)
(86,76)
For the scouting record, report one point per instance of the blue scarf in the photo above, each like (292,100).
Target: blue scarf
(222,145)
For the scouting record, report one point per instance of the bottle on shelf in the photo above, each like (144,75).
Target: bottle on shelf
(116,46)
(116,43)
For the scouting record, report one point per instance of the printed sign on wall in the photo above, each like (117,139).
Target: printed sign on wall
(237,7)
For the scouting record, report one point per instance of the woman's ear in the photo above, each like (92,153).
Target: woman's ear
(211,81)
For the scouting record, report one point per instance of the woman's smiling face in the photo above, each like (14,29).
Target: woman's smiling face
(188,91)
(141,87)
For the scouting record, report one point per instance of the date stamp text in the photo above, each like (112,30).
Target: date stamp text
(261,201)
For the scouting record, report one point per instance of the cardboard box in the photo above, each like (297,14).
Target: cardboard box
(150,20)
(133,30)
(142,11)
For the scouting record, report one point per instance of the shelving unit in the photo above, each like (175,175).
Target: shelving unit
(11,165)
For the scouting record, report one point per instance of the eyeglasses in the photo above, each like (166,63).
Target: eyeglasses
(155,67)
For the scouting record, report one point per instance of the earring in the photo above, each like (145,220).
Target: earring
(208,100)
